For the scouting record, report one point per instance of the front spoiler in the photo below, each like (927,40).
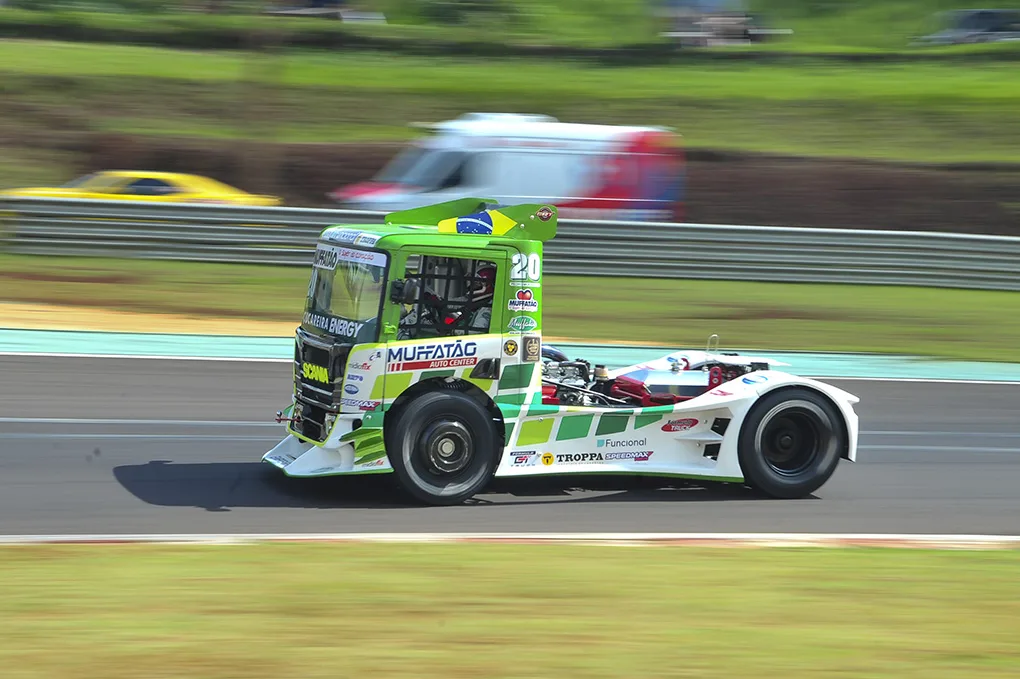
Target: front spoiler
(300,458)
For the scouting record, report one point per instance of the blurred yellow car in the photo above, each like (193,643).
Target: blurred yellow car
(159,187)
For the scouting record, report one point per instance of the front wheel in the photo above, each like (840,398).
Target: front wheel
(443,447)
(791,442)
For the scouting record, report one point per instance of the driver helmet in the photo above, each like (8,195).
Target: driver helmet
(483,286)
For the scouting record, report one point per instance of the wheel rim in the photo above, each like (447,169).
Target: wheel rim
(445,448)
(792,436)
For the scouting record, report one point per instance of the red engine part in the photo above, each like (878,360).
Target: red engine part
(628,388)
(549,395)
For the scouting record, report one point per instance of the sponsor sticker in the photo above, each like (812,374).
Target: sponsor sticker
(510,347)
(328,256)
(548,459)
(532,349)
(680,425)
(524,300)
(720,392)
(523,458)
(358,403)
(522,324)
(621,443)
(431,356)
(351,389)
(366,239)
(334,325)
(544,213)
(355,378)
(365,367)
(374,463)
(754,379)
(281,459)
(316,373)
(579,458)
(635,456)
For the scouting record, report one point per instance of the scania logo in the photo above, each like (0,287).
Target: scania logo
(317,373)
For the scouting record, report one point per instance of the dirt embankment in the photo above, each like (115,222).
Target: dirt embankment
(722,188)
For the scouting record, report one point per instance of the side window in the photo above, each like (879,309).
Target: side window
(455,297)
(149,187)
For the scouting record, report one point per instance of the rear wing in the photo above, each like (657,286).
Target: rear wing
(475,216)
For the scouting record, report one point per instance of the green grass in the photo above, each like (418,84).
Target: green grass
(469,611)
(820,26)
(952,323)
(917,112)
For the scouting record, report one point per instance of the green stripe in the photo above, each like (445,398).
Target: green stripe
(535,431)
(509,410)
(508,431)
(574,427)
(516,376)
(645,420)
(536,410)
(611,424)
(396,384)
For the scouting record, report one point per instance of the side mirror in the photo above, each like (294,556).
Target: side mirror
(405,291)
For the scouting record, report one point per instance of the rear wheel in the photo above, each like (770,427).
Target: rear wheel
(791,443)
(443,447)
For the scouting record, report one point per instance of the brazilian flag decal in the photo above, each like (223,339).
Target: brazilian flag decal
(488,223)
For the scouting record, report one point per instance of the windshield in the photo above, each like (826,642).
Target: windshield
(345,293)
(426,168)
(95,182)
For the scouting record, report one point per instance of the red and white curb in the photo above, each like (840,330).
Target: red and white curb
(677,539)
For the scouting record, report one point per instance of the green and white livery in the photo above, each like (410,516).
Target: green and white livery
(420,354)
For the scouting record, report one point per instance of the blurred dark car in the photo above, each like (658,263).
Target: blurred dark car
(969,26)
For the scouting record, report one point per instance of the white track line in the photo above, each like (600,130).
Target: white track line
(105,437)
(700,539)
(175,423)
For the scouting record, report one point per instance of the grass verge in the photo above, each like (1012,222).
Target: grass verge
(965,324)
(458,611)
(847,27)
(914,112)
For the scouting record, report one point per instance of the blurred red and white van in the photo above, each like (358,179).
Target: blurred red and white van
(588,171)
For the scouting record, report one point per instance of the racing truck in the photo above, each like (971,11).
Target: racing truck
(420,354)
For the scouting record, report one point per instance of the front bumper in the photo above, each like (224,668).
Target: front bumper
(301,458)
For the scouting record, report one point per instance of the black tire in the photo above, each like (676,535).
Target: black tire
(443,447)
(791,443)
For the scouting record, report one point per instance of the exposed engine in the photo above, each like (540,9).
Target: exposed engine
(678,377)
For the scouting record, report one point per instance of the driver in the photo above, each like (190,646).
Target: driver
(466,308)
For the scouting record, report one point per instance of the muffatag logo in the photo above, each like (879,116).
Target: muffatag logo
(621,443)
(523,300)
(430,356)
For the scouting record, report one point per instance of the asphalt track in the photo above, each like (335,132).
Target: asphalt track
(116,446)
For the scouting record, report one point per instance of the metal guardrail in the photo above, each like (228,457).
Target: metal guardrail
(597,248)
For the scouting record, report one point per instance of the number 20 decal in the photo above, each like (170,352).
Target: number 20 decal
(526,267)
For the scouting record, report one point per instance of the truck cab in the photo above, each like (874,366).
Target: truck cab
(442,297)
